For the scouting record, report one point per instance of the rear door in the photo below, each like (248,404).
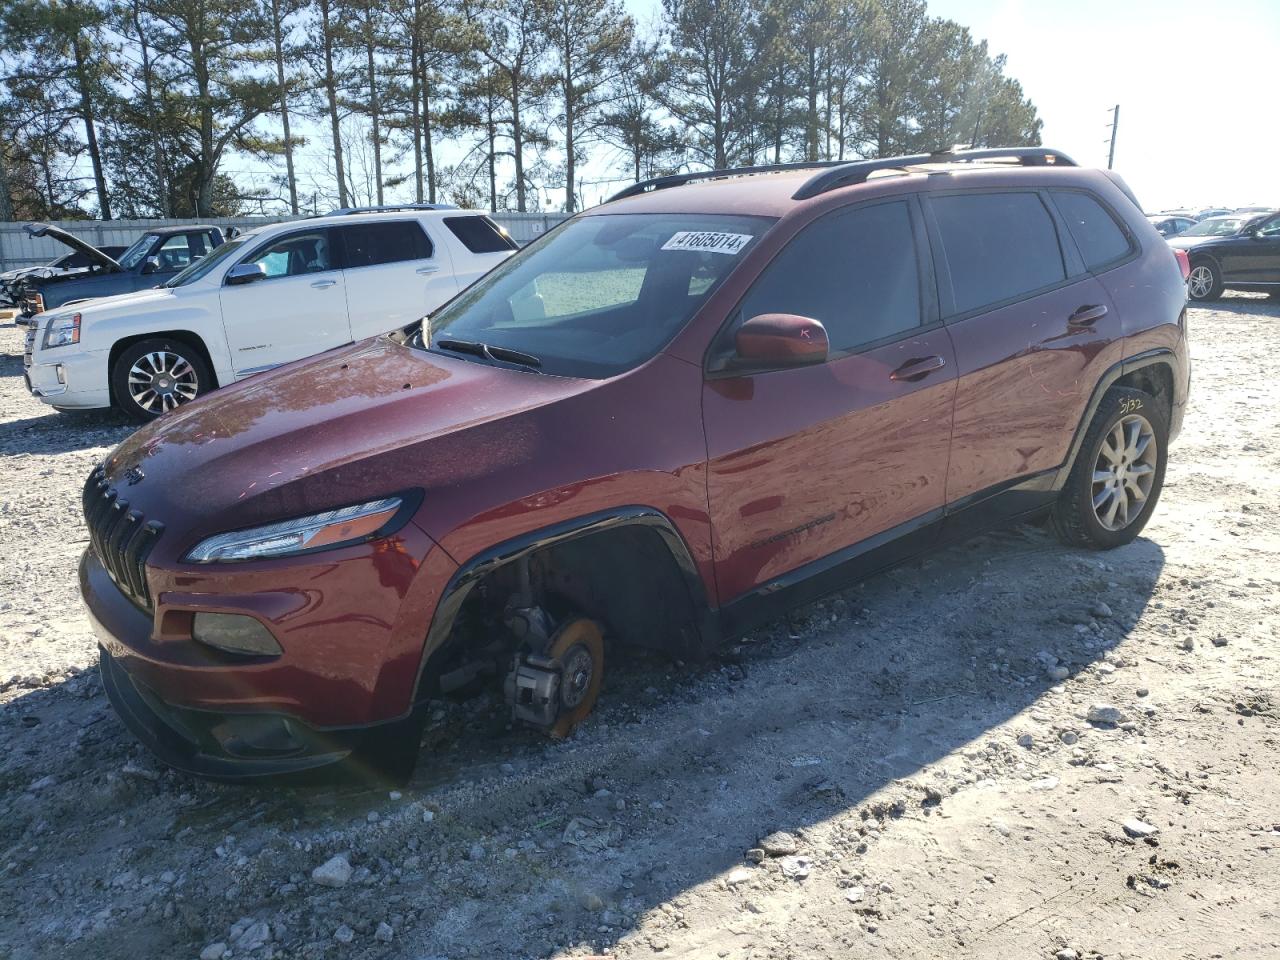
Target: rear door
(395,273)
(1032,328)
(299,308)
(805,463)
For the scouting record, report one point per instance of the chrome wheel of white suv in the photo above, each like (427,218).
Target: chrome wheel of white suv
(160,381)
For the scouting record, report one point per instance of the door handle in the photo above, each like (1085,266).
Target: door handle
(1087,316)
(917,369)
(429,268)
(322,284)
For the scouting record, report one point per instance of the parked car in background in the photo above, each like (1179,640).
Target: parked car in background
(66,265)
(1232,253)
(673,417)
(150,260)
(268,297)
(1255,209)
(1205,212)
(1170,226)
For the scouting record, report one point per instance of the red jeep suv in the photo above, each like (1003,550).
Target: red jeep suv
(714,396)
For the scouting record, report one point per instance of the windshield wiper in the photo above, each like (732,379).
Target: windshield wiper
(490,352)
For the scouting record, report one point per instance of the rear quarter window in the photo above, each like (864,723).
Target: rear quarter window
(998,246)
(1101,240)
(480,234)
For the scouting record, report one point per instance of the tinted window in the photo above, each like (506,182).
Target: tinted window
(1099,237)
(998,245)
(369,244)
(295,254)
(856,272)
(480,234)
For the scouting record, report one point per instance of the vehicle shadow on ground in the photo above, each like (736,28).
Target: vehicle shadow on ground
(815,723)
(10,365)
(1244,304)
(57,432)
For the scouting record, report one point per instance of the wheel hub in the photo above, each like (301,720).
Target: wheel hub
(162,380)
(1124,472)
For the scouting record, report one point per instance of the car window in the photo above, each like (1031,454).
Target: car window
(180,250)
(480,234)
(1216,227)
(294,254)
(1099,237)
(1271,228)
(204,266)
(138,250)
(998,246)
(854,271)
(369,244)
(599,294)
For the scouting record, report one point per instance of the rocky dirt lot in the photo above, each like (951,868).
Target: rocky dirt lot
(1009,749)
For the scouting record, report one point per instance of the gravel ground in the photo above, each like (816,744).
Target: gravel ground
(906,770)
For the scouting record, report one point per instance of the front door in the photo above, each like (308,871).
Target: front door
(1255,257)
(297,310)
(808,466)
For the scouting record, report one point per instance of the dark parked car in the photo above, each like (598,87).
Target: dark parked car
(1170,225)
(669,418)
(66,265)
(153,258)
(1233,253)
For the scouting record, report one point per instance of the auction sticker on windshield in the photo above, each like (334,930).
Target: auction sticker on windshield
(708,242)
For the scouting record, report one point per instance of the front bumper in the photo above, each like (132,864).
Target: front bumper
(209,743)
(232,717)
(74,381)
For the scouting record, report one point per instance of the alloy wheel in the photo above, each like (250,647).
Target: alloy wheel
(1200,281)
(1124,472)
(161,380)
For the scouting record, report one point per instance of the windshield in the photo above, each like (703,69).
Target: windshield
(133,256)
(1216,227)
(597,296)
(202,267)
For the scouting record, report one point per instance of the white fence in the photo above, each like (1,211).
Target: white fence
(17,249)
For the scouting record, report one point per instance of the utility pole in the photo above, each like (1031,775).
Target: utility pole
(1115,124)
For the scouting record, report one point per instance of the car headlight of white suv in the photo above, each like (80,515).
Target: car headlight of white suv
(62,332)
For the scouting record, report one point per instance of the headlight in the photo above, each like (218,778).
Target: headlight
(333,528)
(62,331)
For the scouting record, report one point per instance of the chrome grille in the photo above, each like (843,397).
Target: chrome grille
(122,538)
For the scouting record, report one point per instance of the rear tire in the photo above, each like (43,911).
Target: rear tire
(1204,281)
(1118,474)
(154,376)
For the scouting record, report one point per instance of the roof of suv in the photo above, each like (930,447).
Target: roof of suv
(779,189)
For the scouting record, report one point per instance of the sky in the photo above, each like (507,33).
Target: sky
(1197,82)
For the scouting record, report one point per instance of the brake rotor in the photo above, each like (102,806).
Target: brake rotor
(578,647)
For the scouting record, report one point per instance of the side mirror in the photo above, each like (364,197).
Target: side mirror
(150,265)
(781,340)
(246,273)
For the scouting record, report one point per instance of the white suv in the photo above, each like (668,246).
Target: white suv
(276,294)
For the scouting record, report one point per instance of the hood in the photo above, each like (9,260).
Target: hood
(94,308)
(1186,243)
(349,425)
(75,243)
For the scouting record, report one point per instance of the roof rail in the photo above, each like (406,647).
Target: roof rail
(680,179)
(388,208)
(857,171)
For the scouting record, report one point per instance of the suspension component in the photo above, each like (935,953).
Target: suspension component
(556,691)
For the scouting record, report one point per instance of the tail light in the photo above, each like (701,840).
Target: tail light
(1184,262)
